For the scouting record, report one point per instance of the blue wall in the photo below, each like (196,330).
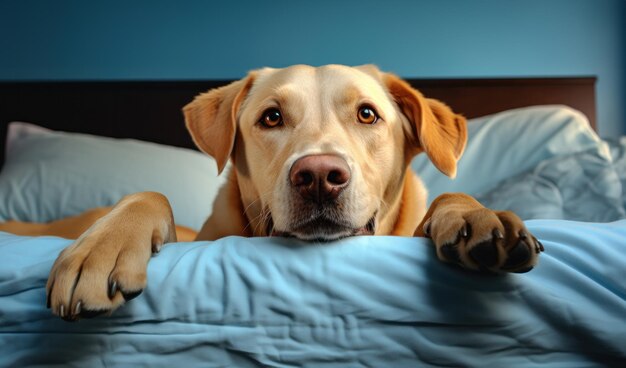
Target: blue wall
(223,39)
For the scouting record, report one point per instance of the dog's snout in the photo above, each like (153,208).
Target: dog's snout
(320,177)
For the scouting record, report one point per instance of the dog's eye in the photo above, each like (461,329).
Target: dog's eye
(367,115)
(271,118)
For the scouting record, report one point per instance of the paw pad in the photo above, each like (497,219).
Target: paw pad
(519,255)
(450,252)
(485,254)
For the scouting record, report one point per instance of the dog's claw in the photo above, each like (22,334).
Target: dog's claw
(498,234)
(464,232)
(538,246)
(524,270)
(78,308)
(523,234)
(112,289)
(427,228)
(66,315)
(131,295)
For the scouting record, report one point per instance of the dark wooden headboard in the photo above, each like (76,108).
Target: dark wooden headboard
(151,111)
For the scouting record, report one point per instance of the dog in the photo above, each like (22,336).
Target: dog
(318,154)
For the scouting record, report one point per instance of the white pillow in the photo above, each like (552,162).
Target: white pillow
(48,175)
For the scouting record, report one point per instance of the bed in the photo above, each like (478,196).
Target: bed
(361,301)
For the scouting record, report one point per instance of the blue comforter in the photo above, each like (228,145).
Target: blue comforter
(363,301)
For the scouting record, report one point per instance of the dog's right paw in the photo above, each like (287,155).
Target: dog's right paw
(107,265)
(98,273)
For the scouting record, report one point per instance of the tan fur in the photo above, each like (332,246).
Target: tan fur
(234,222)
(412,206)
(72,227)
(319,109)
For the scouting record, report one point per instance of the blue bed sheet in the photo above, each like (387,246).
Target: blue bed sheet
(362,301)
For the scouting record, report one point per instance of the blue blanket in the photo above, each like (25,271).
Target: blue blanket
(363,301)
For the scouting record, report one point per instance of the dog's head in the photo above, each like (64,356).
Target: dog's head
(321,153)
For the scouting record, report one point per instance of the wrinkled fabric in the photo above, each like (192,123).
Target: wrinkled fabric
(362,301)
(509,143)
(584,186)
(618,155)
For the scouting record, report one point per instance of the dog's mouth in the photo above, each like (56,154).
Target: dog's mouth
(323,229)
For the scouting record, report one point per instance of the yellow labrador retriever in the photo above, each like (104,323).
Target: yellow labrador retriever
(317,154)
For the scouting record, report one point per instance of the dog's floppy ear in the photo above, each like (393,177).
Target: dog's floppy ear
(437,130)
(211,119)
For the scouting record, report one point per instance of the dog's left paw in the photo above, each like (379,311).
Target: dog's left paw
(483,239)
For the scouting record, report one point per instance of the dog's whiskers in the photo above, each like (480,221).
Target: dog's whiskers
(256,221)
(261,218)
(245,211)
(261,221)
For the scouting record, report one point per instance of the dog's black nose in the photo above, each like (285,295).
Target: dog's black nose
(320,178)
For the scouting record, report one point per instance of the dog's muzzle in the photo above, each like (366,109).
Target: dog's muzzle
(317,183)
